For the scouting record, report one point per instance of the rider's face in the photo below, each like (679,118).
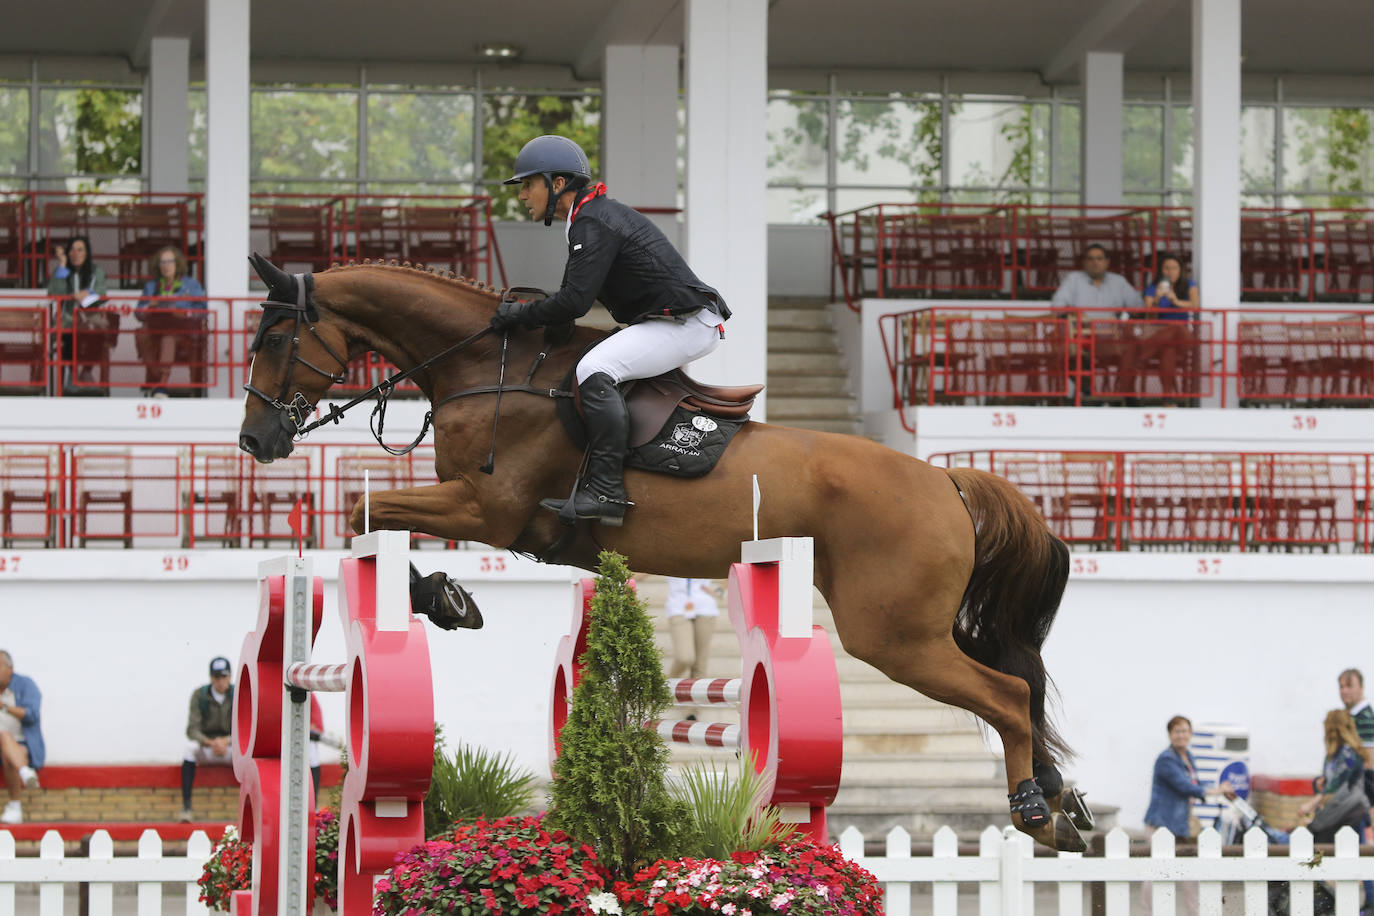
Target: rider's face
(534,194)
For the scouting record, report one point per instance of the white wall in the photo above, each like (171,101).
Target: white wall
(117,640)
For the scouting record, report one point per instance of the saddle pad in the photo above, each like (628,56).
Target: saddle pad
(689,444)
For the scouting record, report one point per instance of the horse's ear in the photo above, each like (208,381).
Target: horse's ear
(281,286)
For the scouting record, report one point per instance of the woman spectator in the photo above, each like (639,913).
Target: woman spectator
(1170,302)
(77,282)
(1176,786)
(168,322)
(1341,785)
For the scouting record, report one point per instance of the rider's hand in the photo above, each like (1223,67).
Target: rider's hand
(510,314)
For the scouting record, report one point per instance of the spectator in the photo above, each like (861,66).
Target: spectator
(1340,789)
(1169,301)
(209,723)
(21,739)
(1175,785)
(691,610)
(1351,683)
(168,326)
(1101,298)
(80,283)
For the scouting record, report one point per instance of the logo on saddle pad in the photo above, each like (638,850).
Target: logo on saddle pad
(690,435)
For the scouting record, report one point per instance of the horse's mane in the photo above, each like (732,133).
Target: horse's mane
(435,273)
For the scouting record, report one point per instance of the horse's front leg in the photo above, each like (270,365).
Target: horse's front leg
(449,510)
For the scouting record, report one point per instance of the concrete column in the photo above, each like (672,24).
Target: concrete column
(169,128)
(639,128)
(727,232)
(227,147)
(1101,137)
(1216,150)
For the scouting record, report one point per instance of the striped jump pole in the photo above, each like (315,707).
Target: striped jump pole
(788,695)
(390,726)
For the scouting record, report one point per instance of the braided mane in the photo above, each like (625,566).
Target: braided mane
(434,272)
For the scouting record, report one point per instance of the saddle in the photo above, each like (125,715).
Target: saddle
(650,401)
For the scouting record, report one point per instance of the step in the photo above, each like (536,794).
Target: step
(870,741)
(923,769)
(783,362)
(782,408)
(807,386)
(820,340)
(798,319)
(907,717)
(819,303)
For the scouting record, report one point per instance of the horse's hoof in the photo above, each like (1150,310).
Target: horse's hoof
(1066,836)
(446,603)
(1076,809)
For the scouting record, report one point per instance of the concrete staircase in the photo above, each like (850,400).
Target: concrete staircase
(908,760)
(807,382)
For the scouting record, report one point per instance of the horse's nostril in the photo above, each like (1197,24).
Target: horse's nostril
(249,444)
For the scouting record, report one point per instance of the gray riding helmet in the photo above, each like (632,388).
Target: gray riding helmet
(551,155)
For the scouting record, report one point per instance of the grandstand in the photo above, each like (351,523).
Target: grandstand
(888,198)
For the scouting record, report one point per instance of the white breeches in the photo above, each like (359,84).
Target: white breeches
(651,347)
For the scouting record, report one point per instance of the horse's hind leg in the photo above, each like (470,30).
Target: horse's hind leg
(936,667)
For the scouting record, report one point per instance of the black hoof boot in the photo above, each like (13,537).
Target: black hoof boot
(1076,809)
(1029,802)
(446,603)
(1048,778)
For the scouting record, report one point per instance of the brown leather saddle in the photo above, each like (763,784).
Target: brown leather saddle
(651,400)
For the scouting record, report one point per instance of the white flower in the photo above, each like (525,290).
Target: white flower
(603,902)
(781,899)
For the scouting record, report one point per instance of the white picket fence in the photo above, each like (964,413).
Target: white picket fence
(53,871)
(1006,872)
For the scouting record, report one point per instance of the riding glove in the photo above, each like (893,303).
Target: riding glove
(510,314)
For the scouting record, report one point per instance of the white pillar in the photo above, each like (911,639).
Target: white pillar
(1101,154)
(227,144)
(639,128)
(727,231)
(169,129)
(1216,150)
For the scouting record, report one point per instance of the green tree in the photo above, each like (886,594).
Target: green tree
(301,136)
(610,781)
(426,137)
(1347,155)
(510,121)
(14,129)
(109,132)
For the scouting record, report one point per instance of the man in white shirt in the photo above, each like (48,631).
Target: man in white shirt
(1103,297)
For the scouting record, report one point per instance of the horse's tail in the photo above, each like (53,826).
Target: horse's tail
(1019,572)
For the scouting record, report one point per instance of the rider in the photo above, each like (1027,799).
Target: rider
(616,255)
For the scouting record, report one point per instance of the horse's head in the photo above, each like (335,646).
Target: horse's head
(296,359)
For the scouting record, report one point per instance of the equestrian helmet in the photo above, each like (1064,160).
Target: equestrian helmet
(550,155)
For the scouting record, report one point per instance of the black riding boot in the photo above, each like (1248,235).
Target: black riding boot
(602,494)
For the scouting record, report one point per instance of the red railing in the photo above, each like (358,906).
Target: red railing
(980,354)
(296,231)
(1023,251)
(180,495)
(1211,501)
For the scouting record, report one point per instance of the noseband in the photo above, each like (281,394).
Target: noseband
(294,413)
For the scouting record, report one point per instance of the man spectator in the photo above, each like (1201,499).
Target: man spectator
(21,740)
(1101,298)
(1095,289)
(1351,683)
(209,723)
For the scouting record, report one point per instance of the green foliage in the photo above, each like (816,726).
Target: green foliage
(727,812)
(303,135)
(109,132)
(1347,153)
(473,783)
(510,121)
(610,781)
(14,129)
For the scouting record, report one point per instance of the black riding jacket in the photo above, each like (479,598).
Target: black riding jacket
(617,255)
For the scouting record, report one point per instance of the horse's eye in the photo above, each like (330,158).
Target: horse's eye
(274,341)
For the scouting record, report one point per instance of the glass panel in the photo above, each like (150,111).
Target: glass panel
(422,136)
(14,130)
(999,145)
(1181,157)
(1068,163)
(1142,147)
(90,132)
(891,142)
(794,205)
(1328,150)
(322,188)
(197,124)
(509,121)
(798,145)
(1257,149)
(854,198)
(304,135)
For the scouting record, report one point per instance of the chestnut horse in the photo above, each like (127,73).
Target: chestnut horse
(947,581)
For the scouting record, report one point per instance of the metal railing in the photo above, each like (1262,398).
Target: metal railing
(1185,501)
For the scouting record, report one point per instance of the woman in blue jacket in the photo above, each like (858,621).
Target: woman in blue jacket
(1175,783)
(169,320)
(21,740)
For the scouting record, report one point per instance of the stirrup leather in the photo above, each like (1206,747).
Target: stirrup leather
(1029,801)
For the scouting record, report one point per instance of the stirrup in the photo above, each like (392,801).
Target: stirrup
(568,514)
(1029,801)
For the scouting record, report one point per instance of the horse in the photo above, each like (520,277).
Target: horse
(946,580)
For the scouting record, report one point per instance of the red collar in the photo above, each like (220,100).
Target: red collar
(597,190)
